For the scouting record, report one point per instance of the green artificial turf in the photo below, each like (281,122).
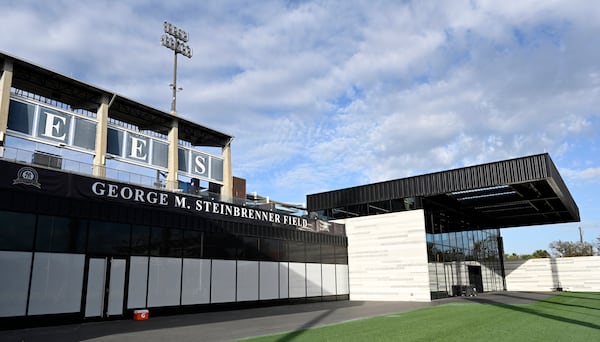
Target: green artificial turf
(573,316)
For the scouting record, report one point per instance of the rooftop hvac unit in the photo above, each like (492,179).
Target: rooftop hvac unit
(47,159)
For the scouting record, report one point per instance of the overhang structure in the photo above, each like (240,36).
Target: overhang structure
(511,193)
(80,95)
(27,80)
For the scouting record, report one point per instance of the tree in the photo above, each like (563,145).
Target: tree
(541,253)
(510,257)
(571,249)
(515,256)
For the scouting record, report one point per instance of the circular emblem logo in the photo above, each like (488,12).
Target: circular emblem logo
(27,176)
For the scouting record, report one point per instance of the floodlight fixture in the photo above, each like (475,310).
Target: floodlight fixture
(175,39)
(176,45)
(175,31)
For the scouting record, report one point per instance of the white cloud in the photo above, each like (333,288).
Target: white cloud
(587,174)
(322,95)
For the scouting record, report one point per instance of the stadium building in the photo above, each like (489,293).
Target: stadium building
(438,235)
(108,205)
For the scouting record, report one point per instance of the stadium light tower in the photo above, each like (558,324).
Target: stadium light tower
(175,39)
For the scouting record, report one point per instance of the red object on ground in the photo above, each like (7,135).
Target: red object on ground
(141,315)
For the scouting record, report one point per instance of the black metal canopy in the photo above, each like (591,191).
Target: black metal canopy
(511,193)
(79,95)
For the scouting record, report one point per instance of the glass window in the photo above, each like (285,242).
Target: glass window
(429,237)
(166,242)
(85,134)
(140,240)
(313,252)
(431,251)
(296,251)
(248,248)
(270,250)
(61,234)
(159,153)
(192,243)
(216,169)
(16,231)
(220,246)
(20,117)
(284,254)
(465,240)
(183,159)
(328,254)
(106,238)
(114,142)
(341,255)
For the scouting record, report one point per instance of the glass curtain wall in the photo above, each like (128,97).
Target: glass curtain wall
(462,261)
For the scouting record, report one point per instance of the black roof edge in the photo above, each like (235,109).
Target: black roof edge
(500,173)
(560,188)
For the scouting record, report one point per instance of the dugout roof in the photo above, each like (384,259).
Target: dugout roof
(511,193)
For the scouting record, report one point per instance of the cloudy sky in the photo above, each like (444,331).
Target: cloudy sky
(322,95)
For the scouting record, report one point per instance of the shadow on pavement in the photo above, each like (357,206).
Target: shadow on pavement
(243,323)
(315,321)
(91,330)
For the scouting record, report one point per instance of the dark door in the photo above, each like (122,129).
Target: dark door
(475,278)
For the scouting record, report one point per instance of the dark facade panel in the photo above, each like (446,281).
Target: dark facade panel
(560,188)
(479,191)
(468,178)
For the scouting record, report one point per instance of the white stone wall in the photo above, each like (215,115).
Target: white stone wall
(387,257)
(572,274)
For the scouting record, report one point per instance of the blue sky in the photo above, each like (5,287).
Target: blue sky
(322,95)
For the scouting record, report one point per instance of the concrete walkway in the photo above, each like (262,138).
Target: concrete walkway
(236,324)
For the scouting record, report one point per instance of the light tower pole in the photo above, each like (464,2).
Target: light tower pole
(175,39)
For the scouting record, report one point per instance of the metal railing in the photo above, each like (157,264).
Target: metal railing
(57,162)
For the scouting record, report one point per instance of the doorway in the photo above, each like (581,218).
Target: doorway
(475,278)
(105,295)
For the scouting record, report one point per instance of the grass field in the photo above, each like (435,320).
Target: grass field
(572,316)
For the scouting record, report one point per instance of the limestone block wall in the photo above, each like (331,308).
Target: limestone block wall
(572,274)
(387,257)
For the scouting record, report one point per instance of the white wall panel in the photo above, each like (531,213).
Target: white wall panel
(223,281)
(328,279)
(341,279)
(164,281)
(138,282)
(297,279)
(116,294)
(313,280)
(56,283)
(284,284)
(269,280)
(247,280)
(96,286)
(14,268)
(572,274)
(196,281)
(387,257)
